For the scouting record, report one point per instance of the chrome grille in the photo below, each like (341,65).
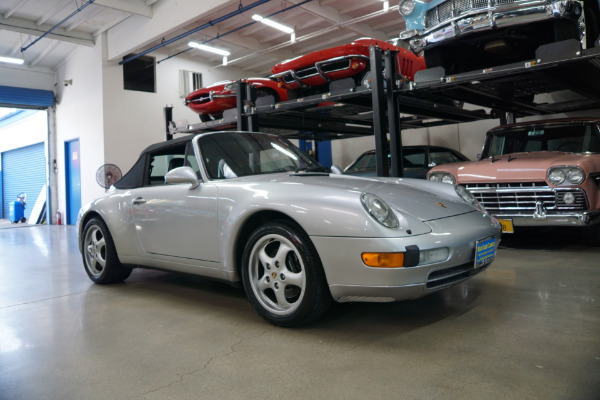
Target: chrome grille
(523,197)
(460,6)
(445,11)
(431,18)
(449,9)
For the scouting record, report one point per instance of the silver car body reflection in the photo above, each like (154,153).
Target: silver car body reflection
(199,223)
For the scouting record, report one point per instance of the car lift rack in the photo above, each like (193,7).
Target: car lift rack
(563,77)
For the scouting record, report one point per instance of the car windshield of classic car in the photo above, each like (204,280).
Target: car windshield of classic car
(230,155)
(567,138)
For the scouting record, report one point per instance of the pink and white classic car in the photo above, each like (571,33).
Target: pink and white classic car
(544,173)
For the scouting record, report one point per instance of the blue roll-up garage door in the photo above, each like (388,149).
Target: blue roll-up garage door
(25,98)
(23,170)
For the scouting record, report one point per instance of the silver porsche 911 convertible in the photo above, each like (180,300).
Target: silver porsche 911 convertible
(251,208)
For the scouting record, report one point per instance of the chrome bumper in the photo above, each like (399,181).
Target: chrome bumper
(584,218)
(498,16)
(320,69)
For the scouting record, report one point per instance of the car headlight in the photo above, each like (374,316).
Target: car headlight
(566,175)
(469,198)
(443,177)
(379,210)
(406,7)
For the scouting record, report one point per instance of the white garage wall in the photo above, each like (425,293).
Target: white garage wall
(114,125)
(30,78)
(133,120)
(79,115)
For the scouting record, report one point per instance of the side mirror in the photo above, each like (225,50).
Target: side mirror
(182,175)
(336,170)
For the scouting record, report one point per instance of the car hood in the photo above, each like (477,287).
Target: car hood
(517,167)
(417,198)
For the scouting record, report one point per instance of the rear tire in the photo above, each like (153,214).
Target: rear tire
(283,276)
(100,256)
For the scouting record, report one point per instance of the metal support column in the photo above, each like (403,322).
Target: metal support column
(379,120)
(168,120)
(252,119)
(242,123)
(393,114)
(507,118)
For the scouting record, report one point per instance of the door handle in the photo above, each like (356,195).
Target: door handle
(138,200)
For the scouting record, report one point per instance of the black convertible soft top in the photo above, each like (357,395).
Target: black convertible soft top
(134,178)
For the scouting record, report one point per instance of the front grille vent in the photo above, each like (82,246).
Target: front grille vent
(524,197)
(447,276)
(449,9)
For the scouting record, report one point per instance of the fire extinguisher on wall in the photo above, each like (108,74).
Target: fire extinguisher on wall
(58,218)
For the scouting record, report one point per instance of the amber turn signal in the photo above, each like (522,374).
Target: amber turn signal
(354,65)
(383,260)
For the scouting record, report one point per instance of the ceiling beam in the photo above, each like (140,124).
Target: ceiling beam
(75,22)
(30,28)
(10,12)
(138,7)
(55,9)
(335,17)
(47,50)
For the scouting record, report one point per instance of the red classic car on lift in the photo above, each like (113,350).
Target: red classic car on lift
(349,60)
(210,102)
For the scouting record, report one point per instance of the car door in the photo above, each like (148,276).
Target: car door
(174,220)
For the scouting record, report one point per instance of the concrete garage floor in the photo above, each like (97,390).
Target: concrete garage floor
(528,328)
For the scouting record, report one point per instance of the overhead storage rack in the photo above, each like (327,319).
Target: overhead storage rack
(562,78)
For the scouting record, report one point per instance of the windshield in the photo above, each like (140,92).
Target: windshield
(568,138)
(234,154)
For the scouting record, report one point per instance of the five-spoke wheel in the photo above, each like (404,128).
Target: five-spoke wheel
(283,276)
(99,255)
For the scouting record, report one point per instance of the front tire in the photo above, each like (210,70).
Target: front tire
(283,276)
(100,258)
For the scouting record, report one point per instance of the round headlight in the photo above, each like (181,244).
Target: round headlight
(406,7)
(556,176)
(575,176)
(379,210)
(442,177)
(435,177)
(447,178)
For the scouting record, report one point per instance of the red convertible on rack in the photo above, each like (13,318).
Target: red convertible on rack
(349,60)
(210,102)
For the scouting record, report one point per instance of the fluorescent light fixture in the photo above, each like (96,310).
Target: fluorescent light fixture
(225,60)
(386,5)
(210,49)
(12,60)
(273,24)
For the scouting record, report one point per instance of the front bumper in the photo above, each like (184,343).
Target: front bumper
(542,219)
(350,280)
(322,71)
(495,14)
